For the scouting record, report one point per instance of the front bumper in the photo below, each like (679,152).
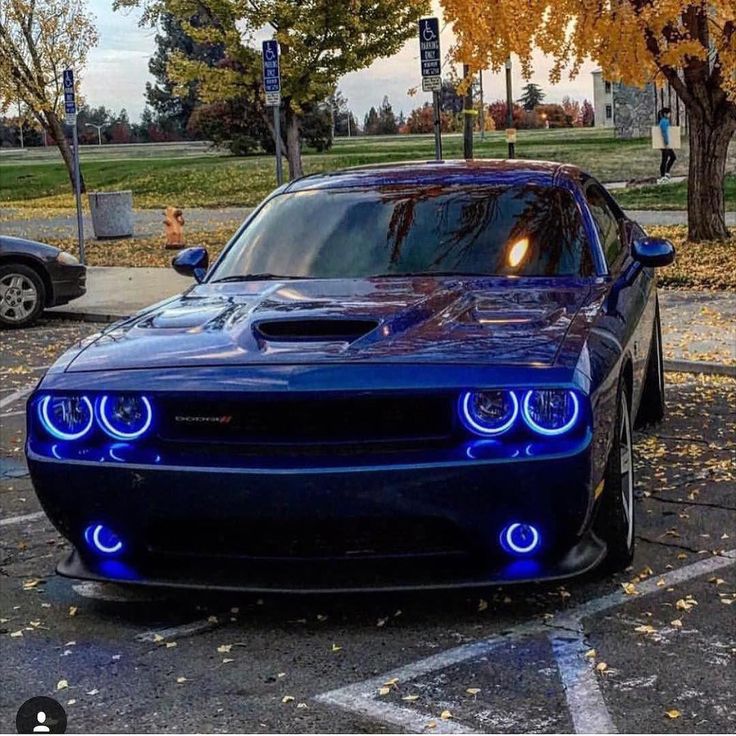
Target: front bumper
(69,282)
(431,525)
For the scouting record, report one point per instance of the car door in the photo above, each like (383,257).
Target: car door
(631,295)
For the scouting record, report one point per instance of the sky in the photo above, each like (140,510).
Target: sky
(117,71)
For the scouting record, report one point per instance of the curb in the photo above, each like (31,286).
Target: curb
(700,366)
(671,366)
(97,317)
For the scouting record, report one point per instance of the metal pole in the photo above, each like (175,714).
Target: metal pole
(78,192)
(468,115)
(99,135)
(20,125)
(277,138)
(437,126)
(482,108)
(509,107)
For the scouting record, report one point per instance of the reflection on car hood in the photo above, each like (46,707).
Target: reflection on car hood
(417,319)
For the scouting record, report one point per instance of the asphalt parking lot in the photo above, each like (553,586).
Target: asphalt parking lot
(653,650)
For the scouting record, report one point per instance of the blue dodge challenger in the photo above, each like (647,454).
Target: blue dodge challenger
(404,376)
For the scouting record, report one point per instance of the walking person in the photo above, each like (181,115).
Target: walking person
(668,155)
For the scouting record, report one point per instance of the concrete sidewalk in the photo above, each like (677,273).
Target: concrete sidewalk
(696,325)
(149,223)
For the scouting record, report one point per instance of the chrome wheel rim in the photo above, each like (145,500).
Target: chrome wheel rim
(627,474)
(18,297)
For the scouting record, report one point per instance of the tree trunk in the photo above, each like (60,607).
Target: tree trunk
(293,144)
(706,210)
(54,127)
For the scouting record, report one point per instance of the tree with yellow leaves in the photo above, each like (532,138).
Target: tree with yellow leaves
(38,40)
(691,45)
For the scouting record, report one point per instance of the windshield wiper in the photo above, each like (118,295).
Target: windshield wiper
(431,273)
(257,277)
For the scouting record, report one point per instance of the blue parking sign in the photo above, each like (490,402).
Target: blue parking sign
(271,72)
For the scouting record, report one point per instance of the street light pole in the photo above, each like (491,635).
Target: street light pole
(99,131)
(20,124)
(468,115)
(509,107)
(482,108)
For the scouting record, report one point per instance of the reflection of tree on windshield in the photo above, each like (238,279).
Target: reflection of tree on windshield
(463,220)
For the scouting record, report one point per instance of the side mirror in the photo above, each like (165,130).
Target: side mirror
(192,262)
(653,252)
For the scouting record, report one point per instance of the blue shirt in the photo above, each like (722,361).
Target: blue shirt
(664,126)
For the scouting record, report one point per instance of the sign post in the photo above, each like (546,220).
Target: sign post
(70,111)
(431,64)
(272,86)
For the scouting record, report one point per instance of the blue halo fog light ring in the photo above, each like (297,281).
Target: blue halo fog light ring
(546,431)
(48,425)
(512,538)
(472,424)
(102,539)
(117,433)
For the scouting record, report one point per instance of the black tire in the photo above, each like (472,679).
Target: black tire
(652,406)
(615,523)
(22,295)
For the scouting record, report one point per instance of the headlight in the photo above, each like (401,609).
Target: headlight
(66,417)
(488,412)
(124,417)
(550,411)
(67,259)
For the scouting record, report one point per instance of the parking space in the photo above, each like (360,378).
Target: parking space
(653,650)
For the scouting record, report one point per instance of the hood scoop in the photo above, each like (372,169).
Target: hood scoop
(314,330)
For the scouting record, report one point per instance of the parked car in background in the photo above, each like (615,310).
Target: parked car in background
(405,376)
(34,276)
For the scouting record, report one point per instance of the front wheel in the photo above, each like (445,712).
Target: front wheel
(22,295)
(615,522)
(651,408)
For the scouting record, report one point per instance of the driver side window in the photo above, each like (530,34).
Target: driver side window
(606,224)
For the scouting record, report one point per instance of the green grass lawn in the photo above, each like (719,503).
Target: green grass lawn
(193,175)
(668,196)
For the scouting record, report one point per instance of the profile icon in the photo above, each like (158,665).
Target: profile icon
(41,715)
(41,727)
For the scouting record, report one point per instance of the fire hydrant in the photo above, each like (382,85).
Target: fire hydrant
(174,228)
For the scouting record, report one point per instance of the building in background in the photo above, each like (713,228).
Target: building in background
(602,101)
(631,111)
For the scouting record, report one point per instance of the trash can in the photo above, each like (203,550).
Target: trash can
(112,214)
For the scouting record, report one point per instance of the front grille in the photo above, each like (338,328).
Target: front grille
(350,538)
(284,423)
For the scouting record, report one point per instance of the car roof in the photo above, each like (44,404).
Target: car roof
(476,171)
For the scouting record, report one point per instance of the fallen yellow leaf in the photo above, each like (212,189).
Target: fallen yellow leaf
(445,715)
(673,713)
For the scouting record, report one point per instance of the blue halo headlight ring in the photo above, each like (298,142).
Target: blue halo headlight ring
(48,422)
(102,539)
(103,409)
(547,431)
(472,422)
(520,539)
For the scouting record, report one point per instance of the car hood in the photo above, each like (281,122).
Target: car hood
(417,319)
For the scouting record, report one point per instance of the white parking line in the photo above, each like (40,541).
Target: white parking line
(179,632)
(20,519)
(21,393)
(584,699)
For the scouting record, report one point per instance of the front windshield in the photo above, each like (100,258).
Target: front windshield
(396,230)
